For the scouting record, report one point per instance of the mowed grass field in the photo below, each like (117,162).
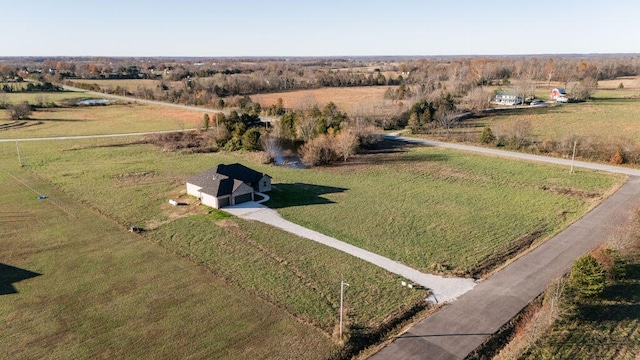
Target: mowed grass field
(132,183)
(612,115)
(36,97)
(430,208)
(98,120)
(437,209)
(74,285)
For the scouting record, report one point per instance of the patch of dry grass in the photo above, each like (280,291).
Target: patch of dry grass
(353,100)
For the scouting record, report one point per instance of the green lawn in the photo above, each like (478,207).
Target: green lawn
(427,207)
(131,184)
(611,116)
(75,285)
(97,120)
(34,98)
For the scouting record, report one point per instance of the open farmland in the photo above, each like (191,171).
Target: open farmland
(97,120)
(130,183)
(366,100)
(611,115)
(129,85)
(34,98)
(75,285)
(431,208)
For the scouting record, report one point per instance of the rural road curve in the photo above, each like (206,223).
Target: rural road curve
(153,102)
(460,327)
(442,289)
(513,154)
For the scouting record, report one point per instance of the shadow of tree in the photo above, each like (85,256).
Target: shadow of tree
(620,301)
(9,275)
(300,194)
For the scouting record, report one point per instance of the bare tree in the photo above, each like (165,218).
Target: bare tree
(19,111)
(305,128)
(478,99)
(345,144)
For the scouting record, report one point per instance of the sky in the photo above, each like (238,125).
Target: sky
(288,28)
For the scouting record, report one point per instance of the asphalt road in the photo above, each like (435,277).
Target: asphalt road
(461,326)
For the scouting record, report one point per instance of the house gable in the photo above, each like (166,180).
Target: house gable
(227,185)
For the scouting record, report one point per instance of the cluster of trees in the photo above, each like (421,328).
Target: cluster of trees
(236,131)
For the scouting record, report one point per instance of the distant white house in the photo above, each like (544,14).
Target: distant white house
(507,97)
(559,95)
(227,185)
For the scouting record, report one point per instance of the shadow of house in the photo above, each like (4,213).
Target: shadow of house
(300,194)
(9,275)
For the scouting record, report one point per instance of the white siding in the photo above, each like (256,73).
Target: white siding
(265,184)
(193,190)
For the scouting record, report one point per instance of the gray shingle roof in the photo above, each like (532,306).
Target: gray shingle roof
(225,179)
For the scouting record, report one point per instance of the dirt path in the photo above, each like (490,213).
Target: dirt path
(443,289)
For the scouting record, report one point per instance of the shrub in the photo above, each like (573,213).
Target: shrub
(587,277)
(617,158)
(251,140)
(318,151)
(487,136)
(19,111)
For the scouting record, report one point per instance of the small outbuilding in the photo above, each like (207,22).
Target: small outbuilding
(227,185)
(559,95)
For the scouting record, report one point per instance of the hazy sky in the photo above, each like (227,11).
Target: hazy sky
(317,28)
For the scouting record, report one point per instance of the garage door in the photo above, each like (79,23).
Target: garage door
(242,198)
(223,202)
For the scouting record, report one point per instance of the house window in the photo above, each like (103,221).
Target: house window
(264,183)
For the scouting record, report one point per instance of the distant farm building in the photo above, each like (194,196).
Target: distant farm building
(507,98)
(227,185)
(559,95)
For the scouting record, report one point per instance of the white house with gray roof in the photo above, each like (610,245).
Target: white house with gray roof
(227,185)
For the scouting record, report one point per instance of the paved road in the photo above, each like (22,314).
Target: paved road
(539,158)
(460,327)
(443,289)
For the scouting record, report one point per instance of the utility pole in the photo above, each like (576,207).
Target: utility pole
(573,157)
(18,149)
(342,284)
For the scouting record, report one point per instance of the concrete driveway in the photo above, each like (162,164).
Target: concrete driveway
(442,289)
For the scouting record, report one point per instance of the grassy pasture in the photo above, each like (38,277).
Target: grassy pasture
(96,120)
(437,209)
(610,117)
(75,285)
(131,184)
(425,207)
(36,97)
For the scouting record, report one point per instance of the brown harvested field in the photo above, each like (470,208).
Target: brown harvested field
(354,100)
(129,84)
(629,82)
